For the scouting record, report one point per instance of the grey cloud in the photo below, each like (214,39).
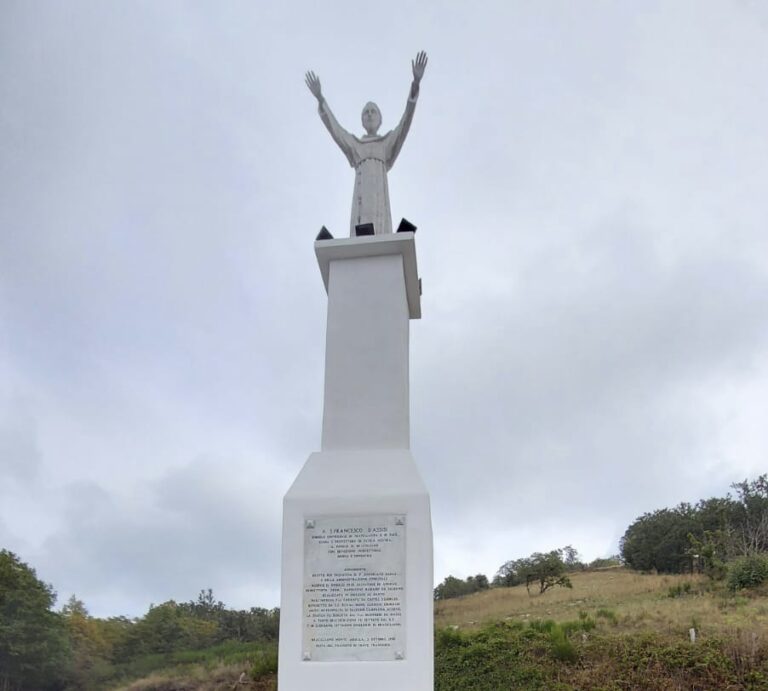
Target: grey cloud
(584,386)
(19,451)
(208,524)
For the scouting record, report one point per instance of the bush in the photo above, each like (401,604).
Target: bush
(264,664)
(562,648)
(499,656)
(546,656)
(679,590)
(608,615)
(748,572)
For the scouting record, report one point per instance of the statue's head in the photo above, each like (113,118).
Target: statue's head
(371,118)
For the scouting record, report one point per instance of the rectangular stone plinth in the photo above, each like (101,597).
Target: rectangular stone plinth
(356,595)
(401,244)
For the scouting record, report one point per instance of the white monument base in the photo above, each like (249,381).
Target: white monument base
(356,600)
(356,608)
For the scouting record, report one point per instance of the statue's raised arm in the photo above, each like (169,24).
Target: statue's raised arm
(313,84)
(398,135)
(343,138)
(371,155)
(418,66)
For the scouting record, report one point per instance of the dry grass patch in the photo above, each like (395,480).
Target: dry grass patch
(200,678)
(618,599)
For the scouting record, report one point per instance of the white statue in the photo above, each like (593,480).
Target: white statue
(371,155)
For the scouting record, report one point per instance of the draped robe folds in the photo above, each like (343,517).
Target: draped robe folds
(371,156)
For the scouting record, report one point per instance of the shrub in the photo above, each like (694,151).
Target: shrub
(499,656)
(609,615)
(264,664)
(562,648)
(605,562)
(582,624)
(748,572)
(679,590)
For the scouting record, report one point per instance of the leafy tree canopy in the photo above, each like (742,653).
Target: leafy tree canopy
(455,587)
(547,569)
(702,536)
(34,649)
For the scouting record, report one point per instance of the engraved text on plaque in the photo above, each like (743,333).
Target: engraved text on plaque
(354,588)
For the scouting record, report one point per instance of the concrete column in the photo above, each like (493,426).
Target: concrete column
(366,355)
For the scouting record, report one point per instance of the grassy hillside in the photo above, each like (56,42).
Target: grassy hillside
(614,631)
(625,600)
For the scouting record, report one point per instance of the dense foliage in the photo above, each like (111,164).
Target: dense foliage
(748,572)
(34,649)
(455,587)
(549,656)
(45,650)
(702,536)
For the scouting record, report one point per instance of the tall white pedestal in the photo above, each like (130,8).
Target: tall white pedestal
(356,600)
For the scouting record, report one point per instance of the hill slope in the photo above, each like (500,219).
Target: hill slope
(669,604)
(615,630)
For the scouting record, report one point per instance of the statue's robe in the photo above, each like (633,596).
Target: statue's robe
(371,156)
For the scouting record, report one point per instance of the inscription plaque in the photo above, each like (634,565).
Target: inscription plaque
(354,588)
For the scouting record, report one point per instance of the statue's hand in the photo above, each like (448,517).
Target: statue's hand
(419,65)
(313,84)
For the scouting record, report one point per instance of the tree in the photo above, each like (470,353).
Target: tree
(34,652)
(455,587)
(660,541)
(511,573)
(207,607)
(703,536)
(479,582)
(451,587)
(571,558)
(548,569)
(91,647)
(545,568)
(165,628)
(710,553)
(750,517)
(263,624)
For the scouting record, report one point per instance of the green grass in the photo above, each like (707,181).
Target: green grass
(565,657)
(631,633)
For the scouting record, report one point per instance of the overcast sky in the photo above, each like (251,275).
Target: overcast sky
(590,183)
